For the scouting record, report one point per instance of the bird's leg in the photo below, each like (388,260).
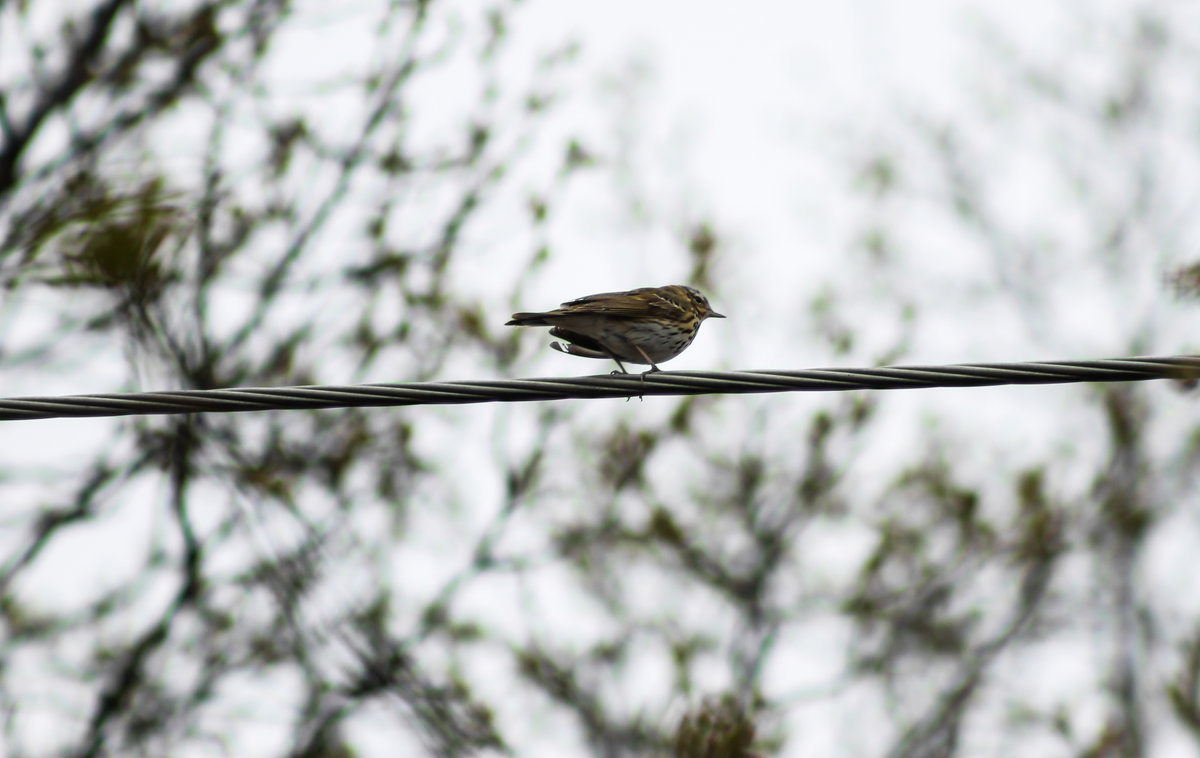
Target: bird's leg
(653,366)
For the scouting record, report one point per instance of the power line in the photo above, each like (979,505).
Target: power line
(1184,367)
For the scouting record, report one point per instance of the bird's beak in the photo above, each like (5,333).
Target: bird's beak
(714,314)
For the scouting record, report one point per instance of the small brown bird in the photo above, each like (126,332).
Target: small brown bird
(650,325)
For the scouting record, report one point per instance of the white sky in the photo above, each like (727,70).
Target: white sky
(746,110)
(748,107)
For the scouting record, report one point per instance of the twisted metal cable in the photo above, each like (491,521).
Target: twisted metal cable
(1183,367)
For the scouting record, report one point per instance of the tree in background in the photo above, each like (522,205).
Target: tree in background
(703,577)
(182,205)
(1056,614)
(1011,579)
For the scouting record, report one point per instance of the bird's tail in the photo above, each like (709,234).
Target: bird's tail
(529,319)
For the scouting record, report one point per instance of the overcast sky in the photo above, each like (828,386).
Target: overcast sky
(746,114)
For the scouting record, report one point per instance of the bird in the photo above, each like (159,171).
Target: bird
(647,326)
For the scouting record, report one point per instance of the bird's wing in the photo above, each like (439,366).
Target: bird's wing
(639,303)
